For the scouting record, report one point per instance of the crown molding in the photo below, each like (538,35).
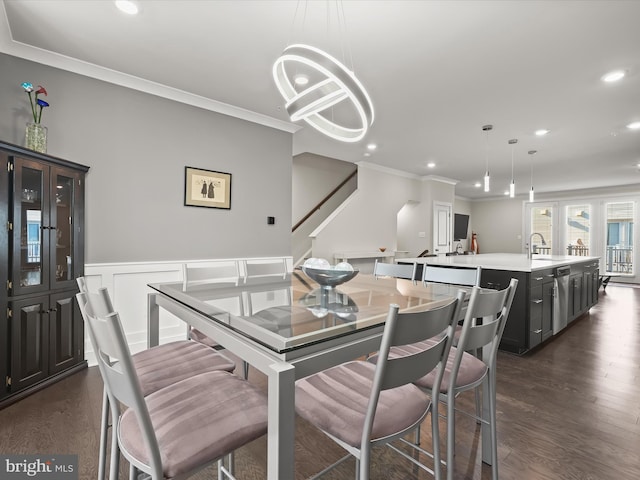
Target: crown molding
(390,171)
(46,57)
(436,178)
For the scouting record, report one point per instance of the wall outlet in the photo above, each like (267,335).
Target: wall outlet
(422,234)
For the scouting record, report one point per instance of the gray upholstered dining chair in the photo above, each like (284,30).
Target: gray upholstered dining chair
(213,272)
(358,404)
(203,273)
(273,267)
(465,371)
(397,270)
(181,428)
(156,367)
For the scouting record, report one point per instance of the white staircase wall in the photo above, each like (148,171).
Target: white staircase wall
(368,219)
(313,178)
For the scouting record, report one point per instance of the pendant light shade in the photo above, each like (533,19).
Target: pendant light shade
(313,103)
(312,83)
(487,180)
(512,185)
(531,194)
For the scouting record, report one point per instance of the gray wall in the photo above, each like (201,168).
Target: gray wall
(137,146)
(498,225)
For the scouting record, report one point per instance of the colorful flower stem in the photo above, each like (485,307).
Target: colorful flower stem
(33,101)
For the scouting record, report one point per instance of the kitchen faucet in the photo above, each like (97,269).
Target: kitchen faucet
(530,251)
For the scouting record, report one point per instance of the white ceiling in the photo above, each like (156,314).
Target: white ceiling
(437,71)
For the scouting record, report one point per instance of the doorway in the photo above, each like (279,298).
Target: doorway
(441,228)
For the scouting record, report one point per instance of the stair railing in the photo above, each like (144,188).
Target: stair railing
(324,200)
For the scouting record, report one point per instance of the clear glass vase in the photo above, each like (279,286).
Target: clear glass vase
(36,137)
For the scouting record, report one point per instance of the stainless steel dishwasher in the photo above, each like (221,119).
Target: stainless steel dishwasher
(560,298)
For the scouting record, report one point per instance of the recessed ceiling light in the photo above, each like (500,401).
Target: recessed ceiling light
(367,154)
(613,76)
(372,146)
(431,165)
(634,126)
(477,184)
(506,192)
(127,6)
(301,79)
(541,132)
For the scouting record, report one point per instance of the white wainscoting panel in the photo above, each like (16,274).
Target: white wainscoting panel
(127,284)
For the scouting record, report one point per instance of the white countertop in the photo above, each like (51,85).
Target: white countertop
(503,261)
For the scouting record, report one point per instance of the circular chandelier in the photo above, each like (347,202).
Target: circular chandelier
(337,84)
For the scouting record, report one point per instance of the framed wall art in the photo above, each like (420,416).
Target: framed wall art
(206,188)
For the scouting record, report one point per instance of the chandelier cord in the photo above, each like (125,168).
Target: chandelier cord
(346,38)
(293,24)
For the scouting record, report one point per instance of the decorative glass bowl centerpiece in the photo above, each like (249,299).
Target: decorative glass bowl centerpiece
(320,271)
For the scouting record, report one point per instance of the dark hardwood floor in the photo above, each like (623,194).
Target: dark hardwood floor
(568,410)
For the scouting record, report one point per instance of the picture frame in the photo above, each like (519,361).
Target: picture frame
(207,188)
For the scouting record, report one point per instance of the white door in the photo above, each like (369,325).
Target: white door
(441,228)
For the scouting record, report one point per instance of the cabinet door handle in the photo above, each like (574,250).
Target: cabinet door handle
(537,300)
(53,310)
(538,278)
(538,331)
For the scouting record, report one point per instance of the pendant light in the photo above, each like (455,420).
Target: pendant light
(336,84)
(512,185)
(531,195)
(487,129)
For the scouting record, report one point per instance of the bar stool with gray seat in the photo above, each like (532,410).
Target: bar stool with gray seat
(358,404)
(156,367)
(396,270)
(454,275)
(464,371)
(179,429)
(464,276)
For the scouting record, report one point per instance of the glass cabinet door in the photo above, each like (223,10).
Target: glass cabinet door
(30,227)
(62,227)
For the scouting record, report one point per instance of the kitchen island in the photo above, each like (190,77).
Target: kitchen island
(553,290)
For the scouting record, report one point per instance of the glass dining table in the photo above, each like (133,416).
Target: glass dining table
(288,328)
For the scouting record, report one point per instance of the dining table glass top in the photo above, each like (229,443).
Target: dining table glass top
(285,314)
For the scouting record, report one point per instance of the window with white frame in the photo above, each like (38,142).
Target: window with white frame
(578,229)
(542,223)
(619,236)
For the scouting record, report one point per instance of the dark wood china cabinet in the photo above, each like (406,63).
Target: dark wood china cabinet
(42,253)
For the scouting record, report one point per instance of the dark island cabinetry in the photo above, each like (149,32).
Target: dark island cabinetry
(42,253)
(540,302)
